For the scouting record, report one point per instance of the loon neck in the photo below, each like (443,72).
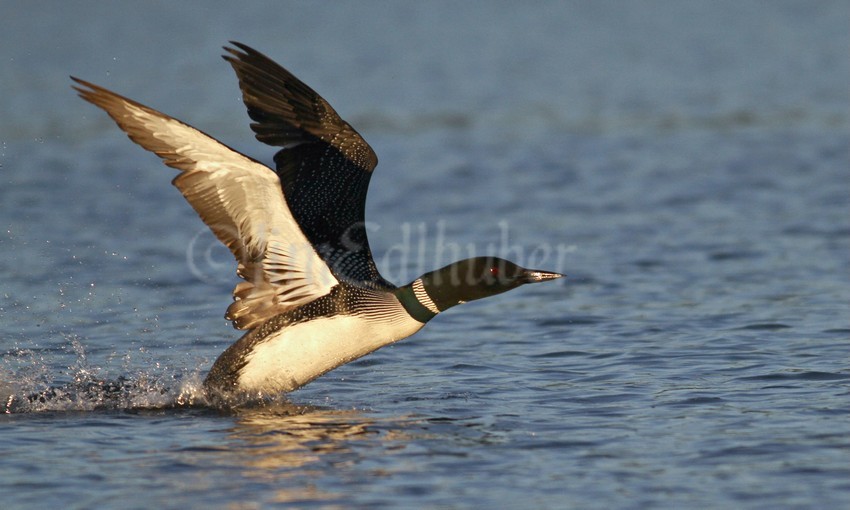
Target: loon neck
(432,293)
(463,281)
(417,302)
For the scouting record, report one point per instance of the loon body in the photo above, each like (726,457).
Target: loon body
(312,298)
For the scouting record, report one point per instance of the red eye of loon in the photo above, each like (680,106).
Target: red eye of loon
(494,271)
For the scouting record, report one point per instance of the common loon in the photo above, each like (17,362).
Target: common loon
(312,298)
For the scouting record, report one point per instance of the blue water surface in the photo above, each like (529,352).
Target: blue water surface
(687,164)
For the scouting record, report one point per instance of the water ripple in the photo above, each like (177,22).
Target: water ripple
(766,326)
(797,376)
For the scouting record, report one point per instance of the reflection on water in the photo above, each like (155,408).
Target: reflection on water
(288,446)
(285,435)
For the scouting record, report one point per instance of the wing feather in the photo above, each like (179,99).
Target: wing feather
(324,166)
(240,200)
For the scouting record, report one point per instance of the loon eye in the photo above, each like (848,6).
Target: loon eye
(494,272)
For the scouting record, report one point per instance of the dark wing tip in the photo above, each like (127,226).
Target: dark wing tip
(101,97)
(242,52)
(87,90)
(81,85)
(241,46)
(234,52)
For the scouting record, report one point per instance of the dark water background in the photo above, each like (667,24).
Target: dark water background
(686,163)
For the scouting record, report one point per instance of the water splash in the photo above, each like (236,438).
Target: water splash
(28,384)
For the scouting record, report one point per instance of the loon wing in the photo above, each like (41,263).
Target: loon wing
(324,166)
(240,199)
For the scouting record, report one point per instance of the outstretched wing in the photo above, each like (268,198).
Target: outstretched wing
(324,167)
(240,199)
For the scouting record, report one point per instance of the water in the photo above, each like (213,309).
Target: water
(686,164)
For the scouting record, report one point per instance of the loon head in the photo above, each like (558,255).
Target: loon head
(471,279)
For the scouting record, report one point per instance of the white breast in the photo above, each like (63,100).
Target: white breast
(295,355)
